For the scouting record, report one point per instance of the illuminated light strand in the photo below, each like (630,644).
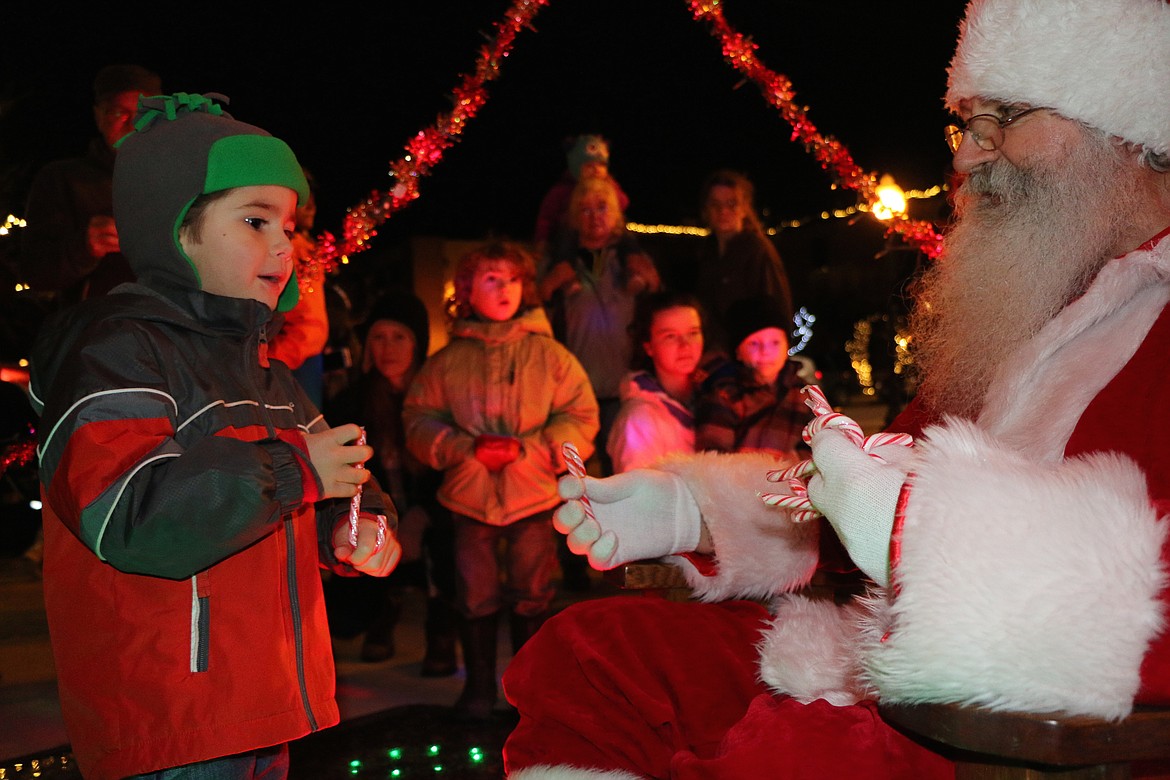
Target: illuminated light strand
(11,222)
(425,149)
(804,332)
(858,349)
(845,213)
(740,51)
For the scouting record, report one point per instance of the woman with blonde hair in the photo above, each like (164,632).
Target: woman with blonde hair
(590,283)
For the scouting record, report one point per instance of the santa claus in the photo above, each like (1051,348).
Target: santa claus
(1017,551)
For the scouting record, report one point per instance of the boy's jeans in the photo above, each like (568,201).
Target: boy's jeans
(265,764)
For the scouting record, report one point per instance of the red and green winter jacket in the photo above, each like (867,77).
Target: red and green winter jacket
(182,550)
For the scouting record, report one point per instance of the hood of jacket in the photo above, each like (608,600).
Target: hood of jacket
(54,349)
(532,321)
(184,146)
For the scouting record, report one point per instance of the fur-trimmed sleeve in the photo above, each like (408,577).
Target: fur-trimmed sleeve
(1020,585)
(759,551)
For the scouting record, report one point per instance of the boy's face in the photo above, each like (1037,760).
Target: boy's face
(244,249)
(765,352)
(497,291)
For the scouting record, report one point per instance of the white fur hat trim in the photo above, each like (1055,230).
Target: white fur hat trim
(1105,63)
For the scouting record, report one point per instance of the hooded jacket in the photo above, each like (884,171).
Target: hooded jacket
(509,378)
(181,544)
(649,425)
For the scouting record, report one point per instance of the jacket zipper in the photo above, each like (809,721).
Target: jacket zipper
(290,543)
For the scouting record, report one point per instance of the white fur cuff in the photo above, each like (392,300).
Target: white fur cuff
(1021,586)
(758,549)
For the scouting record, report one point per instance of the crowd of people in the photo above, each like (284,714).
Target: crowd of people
(571,337)
(216,499)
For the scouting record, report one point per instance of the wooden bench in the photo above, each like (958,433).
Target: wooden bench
(665,580)
(990,745)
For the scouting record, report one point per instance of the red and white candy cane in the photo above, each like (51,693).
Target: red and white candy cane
(576,467)
(847,425)
(355,505)
(814,398)
(798,503)
(797,476)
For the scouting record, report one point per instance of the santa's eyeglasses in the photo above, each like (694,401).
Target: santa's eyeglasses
(986,130)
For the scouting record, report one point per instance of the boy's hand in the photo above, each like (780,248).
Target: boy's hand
(495,451)
(368,557)
(338,461)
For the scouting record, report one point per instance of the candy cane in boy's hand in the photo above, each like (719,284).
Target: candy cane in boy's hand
(576,467)
(355,506)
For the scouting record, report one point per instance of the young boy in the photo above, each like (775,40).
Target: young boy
(180,469)
(491,410)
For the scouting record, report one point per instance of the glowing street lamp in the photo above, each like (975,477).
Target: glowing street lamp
(891,199)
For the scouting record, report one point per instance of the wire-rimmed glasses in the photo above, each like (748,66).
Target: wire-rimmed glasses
(986,130)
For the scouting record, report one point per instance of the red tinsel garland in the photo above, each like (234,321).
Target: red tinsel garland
(17,455)
(425,150)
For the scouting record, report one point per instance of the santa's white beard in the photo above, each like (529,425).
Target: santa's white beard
(1026,242)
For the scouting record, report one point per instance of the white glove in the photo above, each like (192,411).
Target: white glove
(858,494)
(643,513)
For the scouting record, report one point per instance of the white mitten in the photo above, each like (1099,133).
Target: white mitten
(858,494)
(643,513)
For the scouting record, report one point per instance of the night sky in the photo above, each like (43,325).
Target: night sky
(347,84)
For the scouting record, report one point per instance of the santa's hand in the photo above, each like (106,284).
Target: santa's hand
(643,513)
(858,494)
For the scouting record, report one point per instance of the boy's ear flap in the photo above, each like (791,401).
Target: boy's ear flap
(290,294)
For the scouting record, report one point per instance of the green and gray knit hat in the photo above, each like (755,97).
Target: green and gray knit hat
(185,146)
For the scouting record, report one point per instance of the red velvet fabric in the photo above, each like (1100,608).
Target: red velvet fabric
(1139,389)
(663,689)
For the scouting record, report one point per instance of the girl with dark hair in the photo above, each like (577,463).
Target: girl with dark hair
(656,415)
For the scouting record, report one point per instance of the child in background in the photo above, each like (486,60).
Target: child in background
(754,403)
(395,337)
(587,156)
(657,412)
(491,410)
(180,469)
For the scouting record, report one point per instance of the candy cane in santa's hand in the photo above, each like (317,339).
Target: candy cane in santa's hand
(577,469)
(797,476)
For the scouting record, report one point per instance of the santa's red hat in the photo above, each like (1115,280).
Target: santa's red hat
(1102,62)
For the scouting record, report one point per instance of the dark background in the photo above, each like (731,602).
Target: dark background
(347,85)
